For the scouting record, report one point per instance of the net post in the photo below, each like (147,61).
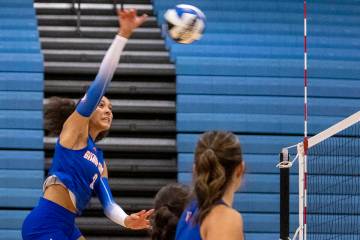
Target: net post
(284,196)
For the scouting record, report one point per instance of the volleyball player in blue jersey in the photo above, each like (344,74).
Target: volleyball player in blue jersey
(78,167)
(218,171)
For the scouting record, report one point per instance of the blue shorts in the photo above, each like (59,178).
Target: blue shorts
(50,221)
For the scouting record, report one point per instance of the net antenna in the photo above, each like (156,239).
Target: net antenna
(286,163)
(302,148)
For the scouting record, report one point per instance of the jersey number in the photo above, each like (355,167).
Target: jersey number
(93,181)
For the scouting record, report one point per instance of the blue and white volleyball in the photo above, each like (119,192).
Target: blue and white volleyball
(185,23)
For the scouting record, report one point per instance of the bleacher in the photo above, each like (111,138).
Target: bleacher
(246,75)
(21,133)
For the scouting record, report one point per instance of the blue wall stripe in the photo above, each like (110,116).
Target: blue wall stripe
(14,219)
(10,81)
(265,105)
(351,8)
(20,47)
(27,4)
(19,197)
(16,23)
(12,12)
(21,62)
(19,119)
(12,100)
(27,179)
(251,123)
(278,40)
(19,35)
(10,234)
(21,139)
(264,52)
(246,16)
(22,160)
(265,67)
(268,86)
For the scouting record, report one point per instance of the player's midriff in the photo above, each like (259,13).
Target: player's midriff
(59,195)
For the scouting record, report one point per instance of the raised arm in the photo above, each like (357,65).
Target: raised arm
(75,130)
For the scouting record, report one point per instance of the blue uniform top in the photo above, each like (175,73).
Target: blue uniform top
(78,170)
(187,228)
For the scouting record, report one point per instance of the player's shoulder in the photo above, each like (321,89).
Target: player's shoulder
(222,211)
(222,221)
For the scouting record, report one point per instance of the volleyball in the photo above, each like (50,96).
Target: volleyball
(185,23)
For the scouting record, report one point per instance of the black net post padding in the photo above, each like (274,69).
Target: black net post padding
(284,197)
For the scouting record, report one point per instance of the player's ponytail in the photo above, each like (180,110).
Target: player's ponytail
(216,156)
(210,182)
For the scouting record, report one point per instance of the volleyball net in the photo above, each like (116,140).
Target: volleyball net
(329,184)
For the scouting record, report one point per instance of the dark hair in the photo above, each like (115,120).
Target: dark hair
(56,111)
(217,155)
(169,203)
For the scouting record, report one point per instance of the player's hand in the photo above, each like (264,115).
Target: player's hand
(129,21)
(139,220)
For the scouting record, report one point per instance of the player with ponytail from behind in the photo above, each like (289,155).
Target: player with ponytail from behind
(218,171)
(78,167)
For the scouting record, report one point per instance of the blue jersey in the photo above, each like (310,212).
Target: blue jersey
(78,170)
(187,228)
